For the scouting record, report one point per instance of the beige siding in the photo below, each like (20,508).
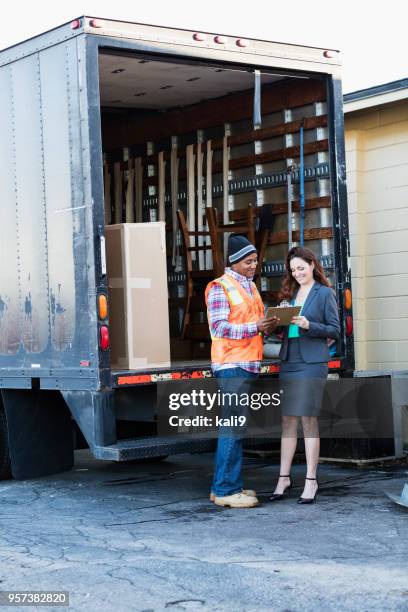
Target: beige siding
(377,180)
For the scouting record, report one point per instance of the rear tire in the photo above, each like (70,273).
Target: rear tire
(5,467)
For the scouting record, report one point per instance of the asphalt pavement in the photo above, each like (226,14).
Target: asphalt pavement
(145,537)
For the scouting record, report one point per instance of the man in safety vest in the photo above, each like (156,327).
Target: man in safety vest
(236,320)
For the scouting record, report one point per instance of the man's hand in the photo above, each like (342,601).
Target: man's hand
(267,325)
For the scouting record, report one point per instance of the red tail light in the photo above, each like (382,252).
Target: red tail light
(104,338)
(75,24)
(349,325)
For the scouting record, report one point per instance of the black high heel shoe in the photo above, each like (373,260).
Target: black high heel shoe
(285,493)
(308,500)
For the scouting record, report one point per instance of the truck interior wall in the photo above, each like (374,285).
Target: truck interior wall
(143,117)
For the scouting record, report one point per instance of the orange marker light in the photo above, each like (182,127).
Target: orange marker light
(347,299)
(102,306)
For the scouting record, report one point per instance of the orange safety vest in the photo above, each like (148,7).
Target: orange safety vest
(243,309)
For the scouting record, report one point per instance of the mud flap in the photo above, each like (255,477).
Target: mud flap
(39,432)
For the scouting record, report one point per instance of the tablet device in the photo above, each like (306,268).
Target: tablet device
(285,313)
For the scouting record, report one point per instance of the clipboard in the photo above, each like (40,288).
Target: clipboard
(285,313)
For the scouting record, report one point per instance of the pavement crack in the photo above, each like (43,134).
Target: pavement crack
(178,501)
(164,520)
(313,559)
(127,481)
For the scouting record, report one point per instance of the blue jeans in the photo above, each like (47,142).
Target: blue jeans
(228,459)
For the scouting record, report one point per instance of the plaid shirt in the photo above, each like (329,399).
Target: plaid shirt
(218,314)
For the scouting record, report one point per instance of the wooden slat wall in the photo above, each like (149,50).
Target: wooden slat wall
(282,207)
(132,129)
(251,160)
(239,139)
(316,233)
(272,156)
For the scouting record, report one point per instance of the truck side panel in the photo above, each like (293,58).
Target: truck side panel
(47,309)
(10,312)
(64,202)
(28,205)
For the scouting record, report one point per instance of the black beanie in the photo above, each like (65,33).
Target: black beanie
(238,248)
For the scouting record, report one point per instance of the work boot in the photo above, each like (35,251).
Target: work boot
(249,492)
(237,500)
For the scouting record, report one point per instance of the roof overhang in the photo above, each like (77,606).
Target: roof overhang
(376,96)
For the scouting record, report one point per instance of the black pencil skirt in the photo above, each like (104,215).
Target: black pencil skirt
(302,383)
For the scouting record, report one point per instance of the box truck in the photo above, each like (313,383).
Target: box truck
(108,125)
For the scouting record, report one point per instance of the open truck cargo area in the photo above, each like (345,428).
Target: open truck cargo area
(131,126)
(162,114)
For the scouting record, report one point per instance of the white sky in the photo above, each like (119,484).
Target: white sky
(372,35)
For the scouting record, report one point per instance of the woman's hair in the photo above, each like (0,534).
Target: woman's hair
(289,284)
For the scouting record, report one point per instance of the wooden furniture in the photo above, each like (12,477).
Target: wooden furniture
(195,325)
(243,222)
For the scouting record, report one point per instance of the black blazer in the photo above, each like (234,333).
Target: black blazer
(322,313)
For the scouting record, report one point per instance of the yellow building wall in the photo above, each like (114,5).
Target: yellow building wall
(377,183)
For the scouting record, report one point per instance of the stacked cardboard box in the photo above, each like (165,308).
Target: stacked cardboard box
(138,301)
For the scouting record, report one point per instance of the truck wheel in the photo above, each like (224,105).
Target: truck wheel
(5,468)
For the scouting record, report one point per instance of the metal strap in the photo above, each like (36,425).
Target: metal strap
(174,168)
(260,181)
(302,190)
(107,193)
(290,199)
(191,194)
(225,171)
(138,190)
(200,212)
(162,187)
(117,174)
(257,100)
(130,194)
(208,193)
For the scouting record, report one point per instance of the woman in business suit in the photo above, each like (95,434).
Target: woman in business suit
(304,357)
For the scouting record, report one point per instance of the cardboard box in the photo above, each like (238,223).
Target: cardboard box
(138,300)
